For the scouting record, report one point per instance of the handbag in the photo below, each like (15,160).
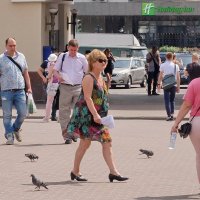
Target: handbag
(186,128)
(169,80)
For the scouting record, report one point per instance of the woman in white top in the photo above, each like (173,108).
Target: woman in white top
(51,87)
(169,67)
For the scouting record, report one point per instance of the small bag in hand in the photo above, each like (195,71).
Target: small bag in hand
(31,107)
(185,129)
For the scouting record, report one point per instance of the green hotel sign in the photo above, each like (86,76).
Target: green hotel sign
(151,9)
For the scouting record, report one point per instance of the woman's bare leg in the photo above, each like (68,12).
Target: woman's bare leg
(195,139)
(108,80)
(80,152)
(108,157)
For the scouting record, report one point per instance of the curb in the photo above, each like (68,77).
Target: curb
(115,117)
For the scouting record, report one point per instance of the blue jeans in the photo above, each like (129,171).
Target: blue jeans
(18,99)
(169,96)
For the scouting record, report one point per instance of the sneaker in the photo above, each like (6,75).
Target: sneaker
(10,140)
(169,118)
(17,135)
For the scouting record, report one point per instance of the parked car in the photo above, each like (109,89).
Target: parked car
(185,58)
(128,71)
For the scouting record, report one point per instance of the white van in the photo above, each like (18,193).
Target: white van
(121,45)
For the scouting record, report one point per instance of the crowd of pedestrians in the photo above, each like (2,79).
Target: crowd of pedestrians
(74,85)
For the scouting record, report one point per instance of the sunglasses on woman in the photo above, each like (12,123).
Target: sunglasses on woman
(102,60)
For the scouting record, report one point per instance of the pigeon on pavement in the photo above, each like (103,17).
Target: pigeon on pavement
(37,182)
(146,152)
(31,156)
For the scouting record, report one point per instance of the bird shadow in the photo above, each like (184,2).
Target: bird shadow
(178,197)
(41,190)
(27,161)
(144,158)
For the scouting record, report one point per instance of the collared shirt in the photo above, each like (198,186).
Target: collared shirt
(73,68)
(10,75)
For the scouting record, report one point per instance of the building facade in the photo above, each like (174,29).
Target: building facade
(173,23)
(36,25)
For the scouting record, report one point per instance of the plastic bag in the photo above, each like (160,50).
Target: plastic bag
(31,107)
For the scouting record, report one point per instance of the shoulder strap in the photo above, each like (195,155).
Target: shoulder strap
(174,69)
(15,63)
(195,114)
(153,58)
(63,58)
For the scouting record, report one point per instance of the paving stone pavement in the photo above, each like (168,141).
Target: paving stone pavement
(168,175)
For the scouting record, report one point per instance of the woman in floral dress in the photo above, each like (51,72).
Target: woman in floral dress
(85,122)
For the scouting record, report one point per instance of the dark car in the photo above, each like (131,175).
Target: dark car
(162,56)
(184,58)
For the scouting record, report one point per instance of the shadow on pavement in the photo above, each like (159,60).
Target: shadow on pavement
(180,197)
(140,102)
(35,145)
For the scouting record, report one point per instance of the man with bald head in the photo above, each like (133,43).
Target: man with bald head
(13,78)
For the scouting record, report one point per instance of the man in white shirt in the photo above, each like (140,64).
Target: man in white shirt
(169,67)
(69,68)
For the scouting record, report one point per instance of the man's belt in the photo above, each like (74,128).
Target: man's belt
(12,90)
(71,84)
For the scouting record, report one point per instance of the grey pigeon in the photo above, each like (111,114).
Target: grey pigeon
(31,156)
(37,182)
(146,152)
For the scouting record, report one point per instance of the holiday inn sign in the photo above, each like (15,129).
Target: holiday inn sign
(151,9)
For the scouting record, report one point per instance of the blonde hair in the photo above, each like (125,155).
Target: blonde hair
(93,56)
(195,56)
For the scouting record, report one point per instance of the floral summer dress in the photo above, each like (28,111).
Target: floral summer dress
(82,124)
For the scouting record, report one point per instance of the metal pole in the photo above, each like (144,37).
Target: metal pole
(74,24)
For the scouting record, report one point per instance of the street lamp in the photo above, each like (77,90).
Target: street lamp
(73,21)
(52,36)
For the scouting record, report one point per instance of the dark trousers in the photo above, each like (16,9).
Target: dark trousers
(152,77)
(55,104)
(169,96)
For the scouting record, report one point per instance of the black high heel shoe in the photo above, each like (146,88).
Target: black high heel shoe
(115,177)
(78,178)
(74,139)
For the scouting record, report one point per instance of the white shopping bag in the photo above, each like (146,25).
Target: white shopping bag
(108,121)
(31,107)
